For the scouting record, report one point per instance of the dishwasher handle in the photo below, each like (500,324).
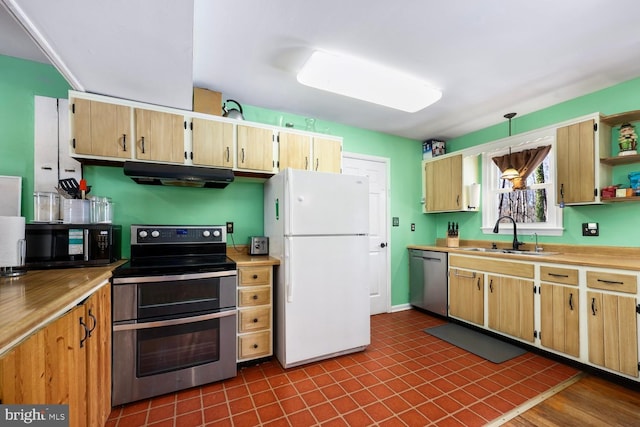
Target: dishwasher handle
(431,259)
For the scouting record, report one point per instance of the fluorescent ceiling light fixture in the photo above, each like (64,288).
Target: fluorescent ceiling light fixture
(367,81)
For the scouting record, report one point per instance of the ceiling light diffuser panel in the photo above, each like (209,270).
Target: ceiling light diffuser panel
(367,81)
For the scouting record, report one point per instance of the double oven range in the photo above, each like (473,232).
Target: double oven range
(174,312)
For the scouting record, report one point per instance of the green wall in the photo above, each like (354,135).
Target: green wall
(242,201)
(617,227)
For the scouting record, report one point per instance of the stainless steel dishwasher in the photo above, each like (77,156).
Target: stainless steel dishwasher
(428,287)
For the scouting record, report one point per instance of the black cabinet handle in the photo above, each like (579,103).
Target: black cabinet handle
(142,144)
(317,163)
(228,154)
(255,297)
(255,276)
(255,346)
(242,156)
(478,283)
(255,320)
(491,285)
(124,142)
(571,301)
(86,333)
(95,322)
(611,282)
(593,306)
(558,275)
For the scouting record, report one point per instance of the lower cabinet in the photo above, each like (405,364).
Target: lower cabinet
(466,295)
(66,362)
(255,312)
(560,318)
(612,321)
(511,306)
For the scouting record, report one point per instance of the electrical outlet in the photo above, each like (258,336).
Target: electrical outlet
(396,221)
(229,227)
(413,227)
(590,229)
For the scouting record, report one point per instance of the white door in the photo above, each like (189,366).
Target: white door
(376,168)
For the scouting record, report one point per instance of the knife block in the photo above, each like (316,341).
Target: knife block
(453,242)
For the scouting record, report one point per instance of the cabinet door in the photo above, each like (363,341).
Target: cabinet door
(612,330)
(295,151)
(327,155)
(576,163)
(511,306)
(560,319)
(101,129)
(443,184)
(159,136)
(255,148)
(98,348)
(212,143)
(466,295)
(22,371)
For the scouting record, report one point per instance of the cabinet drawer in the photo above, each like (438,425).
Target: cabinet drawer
(254,319)
(491,265)
(568,276)
(612,282)
(254,296)
(254,345)
(249,276)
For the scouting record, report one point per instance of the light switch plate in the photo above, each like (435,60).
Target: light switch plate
(590,229)
(396,221)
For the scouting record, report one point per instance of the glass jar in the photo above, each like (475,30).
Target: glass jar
(46,207)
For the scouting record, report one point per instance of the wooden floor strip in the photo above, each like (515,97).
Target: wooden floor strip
(535,401)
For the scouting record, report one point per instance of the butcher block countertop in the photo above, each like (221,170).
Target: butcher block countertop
(240,255)
(33,300)
(623,258)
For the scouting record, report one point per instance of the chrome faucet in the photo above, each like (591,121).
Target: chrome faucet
(516,244)
(537,248)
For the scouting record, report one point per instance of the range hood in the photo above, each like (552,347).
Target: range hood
(177,175)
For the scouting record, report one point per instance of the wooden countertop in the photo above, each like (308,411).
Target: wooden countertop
(610,257)
(31,301)
(240,255)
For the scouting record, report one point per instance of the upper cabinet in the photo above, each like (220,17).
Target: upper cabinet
(447,181)
(159,136)
(255,148)
(327,155)
(212,143)
(115,130)
(580,176)
(100,128)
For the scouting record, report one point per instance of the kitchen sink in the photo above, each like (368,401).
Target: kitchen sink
(509,251)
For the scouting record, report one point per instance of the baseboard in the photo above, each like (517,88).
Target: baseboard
(400,307)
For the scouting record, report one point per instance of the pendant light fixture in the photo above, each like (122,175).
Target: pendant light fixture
(510,172)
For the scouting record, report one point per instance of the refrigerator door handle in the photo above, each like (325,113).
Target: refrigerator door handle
(287,273)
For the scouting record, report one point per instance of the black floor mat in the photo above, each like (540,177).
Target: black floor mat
(477,343)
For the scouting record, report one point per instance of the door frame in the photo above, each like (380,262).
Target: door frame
(387,163)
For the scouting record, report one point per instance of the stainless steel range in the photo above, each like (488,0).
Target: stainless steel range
(174,312)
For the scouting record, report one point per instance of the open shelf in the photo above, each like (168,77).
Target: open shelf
(620,199)
(621,160)
(619,119)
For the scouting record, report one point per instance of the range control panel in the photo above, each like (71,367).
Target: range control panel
(174,234)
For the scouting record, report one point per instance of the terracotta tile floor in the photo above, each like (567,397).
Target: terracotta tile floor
(404,378)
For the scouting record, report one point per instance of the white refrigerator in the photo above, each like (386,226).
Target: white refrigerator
(317,224)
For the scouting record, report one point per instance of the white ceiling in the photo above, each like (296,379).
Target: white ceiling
(488,57)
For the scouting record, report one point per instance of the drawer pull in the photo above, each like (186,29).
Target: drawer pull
(558,275)
(611,282)
(473,275)
(255,276)
(255,320)
(255,346)
(255,297)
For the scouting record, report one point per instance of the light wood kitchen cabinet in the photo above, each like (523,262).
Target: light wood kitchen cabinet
(255,312)
(255,148)
(66,362)
(294,151)
(560,310)
(466,295)
(327,155)
(510,306)
(101,129)
(612,322)
(579,173)
(159,136)
(212,143)
(446,182)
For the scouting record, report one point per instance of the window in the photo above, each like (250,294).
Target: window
(534,207)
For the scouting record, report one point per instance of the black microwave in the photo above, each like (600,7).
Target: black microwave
(71,245)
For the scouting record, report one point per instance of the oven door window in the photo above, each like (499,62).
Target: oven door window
(169,299)
(171,348)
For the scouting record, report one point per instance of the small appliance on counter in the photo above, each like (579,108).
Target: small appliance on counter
(71,245)
(258,245)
